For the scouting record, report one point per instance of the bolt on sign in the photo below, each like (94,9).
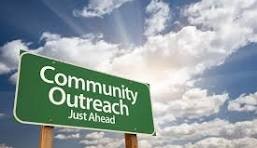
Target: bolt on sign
(54,93)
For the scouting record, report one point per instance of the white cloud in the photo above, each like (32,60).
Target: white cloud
(10,55)
(67,133)
(13,78)
(67,136)
(100,140)
(232,21)
(82,51)
(193,103)
(196,103)
(211,134)
(95,135)
(169,62)
(144,144)
(195,131)
(215,128)
(244,103)
(88,51)
(216,142)
(2,115)
(2,145)
(158,12)
(67,130)
(47,36)
(175,56)
(98,8)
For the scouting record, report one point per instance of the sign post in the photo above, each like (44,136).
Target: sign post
(46,137)
(131,141)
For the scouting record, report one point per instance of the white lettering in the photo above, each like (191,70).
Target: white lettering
(51,95)
(61,76)
(42,74)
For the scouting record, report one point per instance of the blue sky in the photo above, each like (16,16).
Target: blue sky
(199,57)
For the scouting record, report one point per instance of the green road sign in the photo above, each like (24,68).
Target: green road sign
(55,93)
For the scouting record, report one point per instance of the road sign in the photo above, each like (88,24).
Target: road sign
(54,93)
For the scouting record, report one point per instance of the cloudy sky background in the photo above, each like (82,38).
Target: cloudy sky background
(199,57)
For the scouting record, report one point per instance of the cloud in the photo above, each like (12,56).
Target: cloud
(77,50)
(9,55)
(67,133)
(89,52)
(175,56)
(95,135)
(209,134)
(195,131)
(244,103)
(169,63)
(67,130)
(158,12)
(2,115)
(67,136)
(98,8)
(2,145)
(157,142)
(13,78)
(232,21)
(100,140)
(215,128)
(47,36)
(216,142)
(194,103)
